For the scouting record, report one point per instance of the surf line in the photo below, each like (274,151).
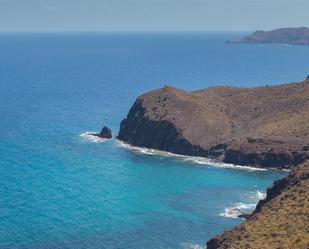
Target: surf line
(192,159)
(88,135)
(242,208)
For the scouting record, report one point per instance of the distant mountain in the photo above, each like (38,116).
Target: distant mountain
(292,36)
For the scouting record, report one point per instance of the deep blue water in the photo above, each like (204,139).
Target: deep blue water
(60,190)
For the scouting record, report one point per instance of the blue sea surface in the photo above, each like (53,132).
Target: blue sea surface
(61,189)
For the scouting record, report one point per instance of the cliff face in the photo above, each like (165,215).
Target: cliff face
(263,126)
(279,221)
(292,36)
(158,133)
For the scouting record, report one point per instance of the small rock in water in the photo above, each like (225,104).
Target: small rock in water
(105,133)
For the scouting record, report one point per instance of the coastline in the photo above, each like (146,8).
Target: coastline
(263,127)
(279,221)
(191,159)
(240,210)
(63,190)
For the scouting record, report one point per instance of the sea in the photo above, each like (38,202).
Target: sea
(60,187)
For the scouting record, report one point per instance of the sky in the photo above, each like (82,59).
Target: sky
(151,15)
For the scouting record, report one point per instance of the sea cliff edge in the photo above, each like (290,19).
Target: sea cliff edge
(265,126)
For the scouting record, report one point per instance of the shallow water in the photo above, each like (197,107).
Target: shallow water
(59,189)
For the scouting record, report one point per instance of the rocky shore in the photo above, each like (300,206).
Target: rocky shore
(262,127)
(281,220)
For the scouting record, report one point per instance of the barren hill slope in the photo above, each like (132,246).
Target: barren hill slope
(264,126)
(279,221)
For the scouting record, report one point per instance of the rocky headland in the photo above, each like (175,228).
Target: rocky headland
(265,126)
(281,220)
(292,36)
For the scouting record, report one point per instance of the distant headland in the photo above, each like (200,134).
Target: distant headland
(291,36)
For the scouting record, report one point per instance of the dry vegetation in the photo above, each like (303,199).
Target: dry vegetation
(281,222)
(264,126)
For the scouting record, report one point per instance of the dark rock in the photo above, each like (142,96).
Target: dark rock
(307,78)
(224,123)
(244,216)
(105,133)
(306,147)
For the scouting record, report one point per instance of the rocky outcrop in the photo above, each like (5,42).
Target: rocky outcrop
(105,133)
(292,36)
(279,221)
(263,127)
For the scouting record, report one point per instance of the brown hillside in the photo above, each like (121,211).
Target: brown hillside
(263,126)
(279,221)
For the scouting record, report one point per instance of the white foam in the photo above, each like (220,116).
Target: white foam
(240,208)
(192,159)
(88,135)
(260,195)
(191,246)
(231,213)
(237,209)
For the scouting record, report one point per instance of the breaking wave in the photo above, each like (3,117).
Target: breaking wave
(260,195)
(191,159)
(241,208)
(88,135)
(237,209)
(185,245)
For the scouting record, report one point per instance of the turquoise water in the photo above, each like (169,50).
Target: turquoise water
(61,190)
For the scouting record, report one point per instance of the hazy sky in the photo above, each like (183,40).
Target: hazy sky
(151,15)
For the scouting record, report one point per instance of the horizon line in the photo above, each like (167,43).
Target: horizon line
(147,31)
(121,31)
